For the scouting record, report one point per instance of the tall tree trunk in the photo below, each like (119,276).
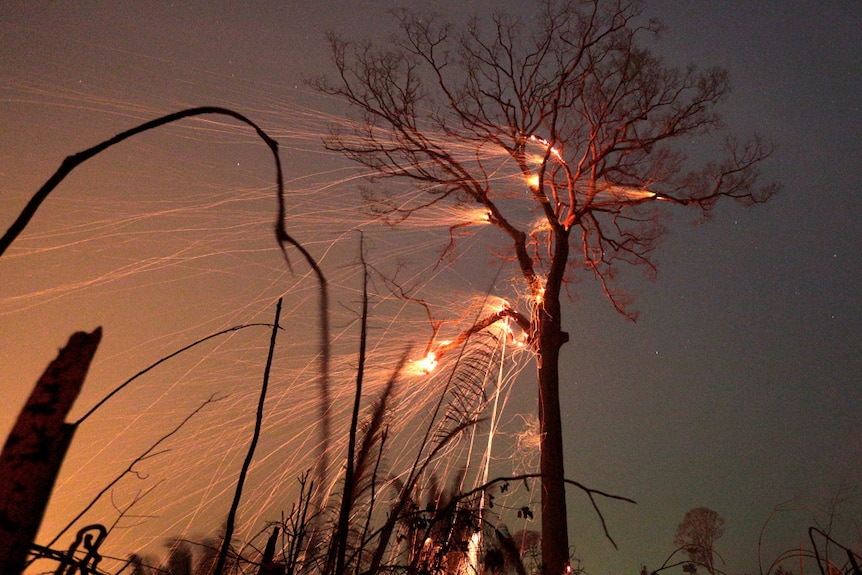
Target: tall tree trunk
(555,534)
(551,337)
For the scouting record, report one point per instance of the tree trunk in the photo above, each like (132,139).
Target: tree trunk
(555,534)
(35,448)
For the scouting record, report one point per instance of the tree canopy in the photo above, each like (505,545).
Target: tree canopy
(572,102)
(696,535)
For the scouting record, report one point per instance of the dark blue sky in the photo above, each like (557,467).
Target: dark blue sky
(739,387)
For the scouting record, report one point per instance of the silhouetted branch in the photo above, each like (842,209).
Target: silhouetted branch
(75,160)
(851,556)
(258,422)
(339,542)
(591,493)
(668,565)
(149,453)
(123,385)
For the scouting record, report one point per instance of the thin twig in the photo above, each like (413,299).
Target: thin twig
(161,361)
(258,422)
(145,455)
(347,498)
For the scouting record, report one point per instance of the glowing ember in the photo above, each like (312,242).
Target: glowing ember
(473,548)
(554,150)
(427,364)
(540,296)
(482,216)
(629,193)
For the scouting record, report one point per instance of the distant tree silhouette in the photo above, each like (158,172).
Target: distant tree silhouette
(700,529)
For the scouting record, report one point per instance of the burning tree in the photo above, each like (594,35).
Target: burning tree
(569,116)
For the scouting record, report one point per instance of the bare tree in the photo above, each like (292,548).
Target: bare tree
(582,116)
(696,535)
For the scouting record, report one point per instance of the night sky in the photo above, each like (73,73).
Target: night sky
(738,388)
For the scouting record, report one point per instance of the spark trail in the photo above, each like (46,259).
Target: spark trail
(168,239)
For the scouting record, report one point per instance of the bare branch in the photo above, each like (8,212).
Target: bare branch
(147,454)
